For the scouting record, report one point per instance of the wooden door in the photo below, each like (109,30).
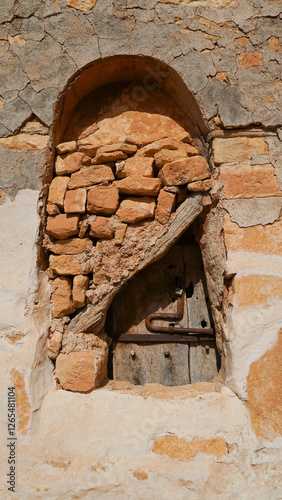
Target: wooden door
(153,290)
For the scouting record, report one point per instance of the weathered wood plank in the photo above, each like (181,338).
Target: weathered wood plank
(93,317)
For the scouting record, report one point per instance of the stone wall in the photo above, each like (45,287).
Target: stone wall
(220,62)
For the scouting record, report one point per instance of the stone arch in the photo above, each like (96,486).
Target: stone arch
(147,82)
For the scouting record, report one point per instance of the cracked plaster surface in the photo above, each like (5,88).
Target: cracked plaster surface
(43,44)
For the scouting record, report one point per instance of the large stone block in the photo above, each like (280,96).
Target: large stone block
(140,187)
(167,143)
(108,157)
(75,201)
(168,155)
(135,210)
(69,265)
(57,190)
(165,204)
(62,226)
(62,297)
(257,289)
(137,166)
(71,246)
(184,171)
(237,149)
(248,181)
(102,200)
(260,239)
(91,175)
(69,163)
(128,149)
(81,371)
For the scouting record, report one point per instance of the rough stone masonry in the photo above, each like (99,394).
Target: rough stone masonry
(188,128)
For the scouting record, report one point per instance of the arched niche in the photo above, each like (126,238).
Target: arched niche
(161,107)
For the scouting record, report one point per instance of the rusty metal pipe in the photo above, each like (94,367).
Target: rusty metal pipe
(165,316)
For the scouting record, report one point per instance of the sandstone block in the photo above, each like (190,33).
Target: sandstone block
(55,344)
(257,289)
(71,246)
(168,155)
(52,209)
(81,371)
(100,228)
(238,149)
(167,143)
(75,201)
(102,200)
(69,265)
(184,171)
(264,392)
(138,126)
(263,239)
(80,285)
(108,157)
(89,149)
(69,163)
(135,210)
(250,59)
(200,185)
(62,297)
(129,149)
(248,181)
(137,166)
(120,233)
(66,147)
(141,187)
(57,190)
(91,175)
(165,204)
(62,226)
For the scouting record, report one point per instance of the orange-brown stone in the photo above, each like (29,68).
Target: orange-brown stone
(129,149)
(81,371)
(55,344)
(140,127)
(134,210)
(52,209)
(57,190)
(251,59)
(137,166)
(200,185)
(238,149)
(248,181)
(165,205)
(66,147)
(264,391)
(143,186)
(22,401)
(75,201)
(109,157)
(266,239)
(68,163)
(102,200)
(69,265)
(62,297)
(168,155)
(91,175)
(181,449)
(257,289)
(62,226)
(100,228)
(71,246)
(167,143)
(80,285)
(183,171)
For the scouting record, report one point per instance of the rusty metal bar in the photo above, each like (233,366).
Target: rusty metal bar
(165,316)
(160,337)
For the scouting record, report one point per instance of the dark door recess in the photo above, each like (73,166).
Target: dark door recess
(167,304)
